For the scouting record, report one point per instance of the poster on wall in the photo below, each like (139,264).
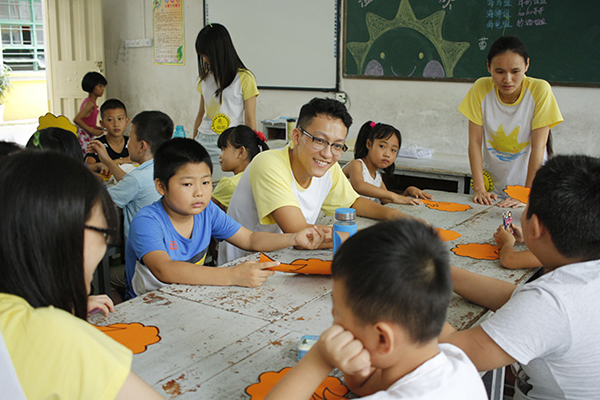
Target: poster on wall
(168,32)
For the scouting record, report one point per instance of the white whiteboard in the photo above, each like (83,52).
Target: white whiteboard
(286,44)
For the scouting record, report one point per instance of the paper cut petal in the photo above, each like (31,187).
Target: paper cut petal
(517,192)
(478,251)
(311,266)
(447,235)
(135,336)
(446,206)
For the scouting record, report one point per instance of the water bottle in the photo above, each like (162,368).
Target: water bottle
(179,132)
(344,222)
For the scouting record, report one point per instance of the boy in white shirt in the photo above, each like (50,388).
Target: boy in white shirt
(391,290)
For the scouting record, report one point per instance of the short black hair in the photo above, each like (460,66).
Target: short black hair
(565,197)
(56,139)
(242,136)
(176,153)
(329,107)
(153,127)
(112,104)
(397,271)
(91,80)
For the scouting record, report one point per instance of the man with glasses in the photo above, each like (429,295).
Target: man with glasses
(285,190)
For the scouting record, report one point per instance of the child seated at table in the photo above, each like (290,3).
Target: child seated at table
(376,148)
(168,240)
(509,257)
(111,148)
(391,290)
(56,139)
(238,147)
(549,326)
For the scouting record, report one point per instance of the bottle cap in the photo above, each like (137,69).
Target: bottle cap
(345,214)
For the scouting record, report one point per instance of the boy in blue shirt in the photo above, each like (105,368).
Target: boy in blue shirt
(168,240)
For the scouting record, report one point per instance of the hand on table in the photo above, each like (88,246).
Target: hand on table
(511,203)
(100,303)
(311,238)
(252,273)
(484,197)
(418,193)
(400,199)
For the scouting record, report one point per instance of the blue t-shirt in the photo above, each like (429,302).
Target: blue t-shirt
(152,229)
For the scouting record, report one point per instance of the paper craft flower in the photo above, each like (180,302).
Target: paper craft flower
(447,235)
(312,266)
(135,336)
(51,121)
(446,206)
(330,389)
(517,192)
(478,251)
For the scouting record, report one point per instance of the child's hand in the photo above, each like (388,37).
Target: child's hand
(399,199)
(98,147)
(504,237)
(518,233)
(101,303)
(418,193)
(252,273)
(484,197)
(511,203)
(311,238)
(340,349)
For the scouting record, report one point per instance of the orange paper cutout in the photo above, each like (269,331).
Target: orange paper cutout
(135,336)
(446,206)
(312,266)
(478,251)
(447,235)
(330,389)
(517,192)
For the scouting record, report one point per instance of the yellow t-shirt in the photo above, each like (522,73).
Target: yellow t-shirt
(225,189)
(59,356)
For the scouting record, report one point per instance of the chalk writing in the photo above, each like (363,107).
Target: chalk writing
(364,3)
(483,43)
(531,13)
(446,3)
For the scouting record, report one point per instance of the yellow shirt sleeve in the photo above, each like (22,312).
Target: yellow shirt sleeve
(248,83)
(471,104)
(342,194)
(225,189)
(546,111)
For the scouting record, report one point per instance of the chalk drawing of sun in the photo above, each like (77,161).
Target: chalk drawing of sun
(506,148)
(430,27)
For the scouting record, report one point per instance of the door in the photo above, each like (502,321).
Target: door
(75,46)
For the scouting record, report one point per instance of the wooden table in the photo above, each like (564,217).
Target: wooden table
(216,341)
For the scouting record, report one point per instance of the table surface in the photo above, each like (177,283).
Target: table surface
(216,341)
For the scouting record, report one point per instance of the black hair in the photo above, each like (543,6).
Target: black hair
(56,139)
(214,42)
(507,43)
(176,153)
(153,127)
(91,80)
(565,197)
(397,271)
(42,220)
(329,107)
(8,148)
(112,104)
(371,131)
(242,136)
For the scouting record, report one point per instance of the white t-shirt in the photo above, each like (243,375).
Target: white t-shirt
(449,376)
(269,184)
(369,179)
(507,127)
(551,326)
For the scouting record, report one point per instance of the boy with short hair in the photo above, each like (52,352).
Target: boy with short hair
(549,326)
(168,240)
(391,290)
(113,118)
(285,190)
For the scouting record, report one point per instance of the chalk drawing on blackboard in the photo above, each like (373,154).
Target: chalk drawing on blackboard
(507,148)
(429,27)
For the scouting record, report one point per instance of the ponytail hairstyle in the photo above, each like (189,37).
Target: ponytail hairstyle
(214,42)
(507,43)
(243,136)
(370,131)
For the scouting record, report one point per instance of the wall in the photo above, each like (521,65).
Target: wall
(425,112)
(28,98)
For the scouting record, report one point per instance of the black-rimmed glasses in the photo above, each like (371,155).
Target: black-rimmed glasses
(319,144)
(108,233)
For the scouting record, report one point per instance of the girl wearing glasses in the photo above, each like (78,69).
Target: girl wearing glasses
(376,148)
(54,232)
(227,89)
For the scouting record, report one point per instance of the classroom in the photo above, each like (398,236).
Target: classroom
(296,316)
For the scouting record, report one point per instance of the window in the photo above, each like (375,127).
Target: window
(22,32)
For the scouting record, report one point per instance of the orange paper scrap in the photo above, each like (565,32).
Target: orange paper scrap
(312,266)
(330,389)
(517,192)
(446,206)
(447,235)
(478,251)
(135,336)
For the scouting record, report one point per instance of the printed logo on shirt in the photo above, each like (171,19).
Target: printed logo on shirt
(507,148)
(172,245)
(219,123)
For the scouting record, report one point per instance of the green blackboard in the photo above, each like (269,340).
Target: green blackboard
(449,39)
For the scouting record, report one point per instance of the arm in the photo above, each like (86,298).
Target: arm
(539,139)
(135,388)
(249,273)
(199,117)
(100,150)
(290,219)
(309,238)
(480,289)
(85,112)
(370,209)
(250,112)
(509,257)
(480,196)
